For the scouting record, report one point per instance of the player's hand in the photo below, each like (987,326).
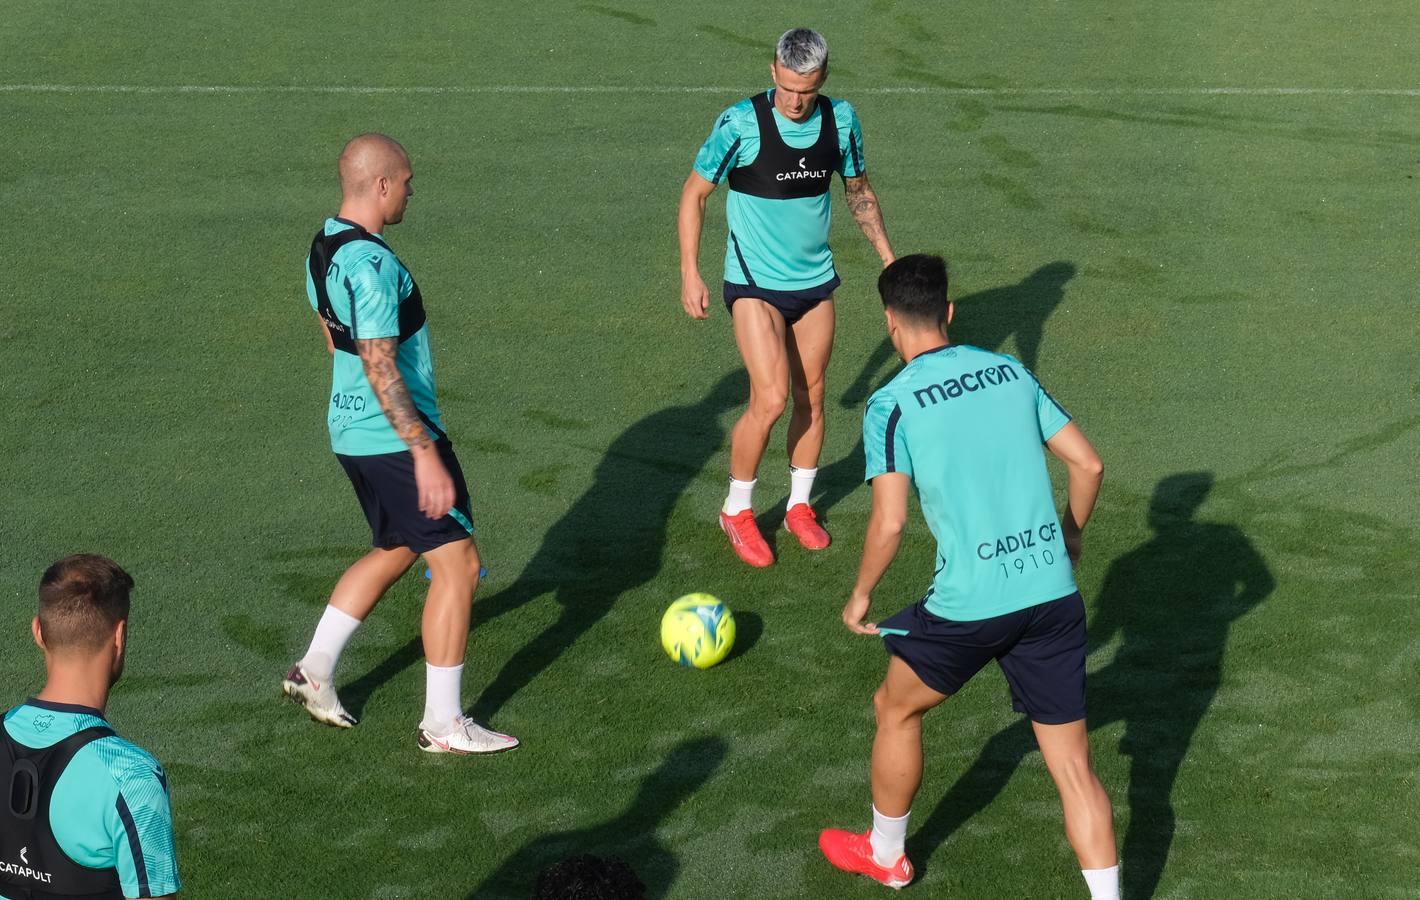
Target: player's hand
(1073,539)
(694,296)
(432,480)
(856,611)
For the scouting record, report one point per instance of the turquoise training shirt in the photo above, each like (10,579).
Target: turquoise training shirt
(110,808)
(367,284)
(968,426)
(784,243)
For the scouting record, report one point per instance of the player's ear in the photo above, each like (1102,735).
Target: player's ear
(120,637)
(38,634)
(951,311)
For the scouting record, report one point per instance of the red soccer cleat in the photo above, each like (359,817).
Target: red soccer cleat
(854,853)
(745,538)
(803,524)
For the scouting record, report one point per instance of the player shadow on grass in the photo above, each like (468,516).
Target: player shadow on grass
(1173,600)
(630,836)
(986,319)
(609,541)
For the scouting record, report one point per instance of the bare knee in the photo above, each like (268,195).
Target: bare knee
(457,569)
(1074,774)
(888,711)
(808,403)
(768,405)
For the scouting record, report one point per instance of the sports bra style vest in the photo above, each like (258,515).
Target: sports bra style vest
(781,172)
(320,263)
(32,864)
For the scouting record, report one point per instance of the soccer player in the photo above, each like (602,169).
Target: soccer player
(387,433)
(964,427)
(86,813)
(778,151)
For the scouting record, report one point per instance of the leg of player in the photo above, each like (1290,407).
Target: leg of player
(309,682)
(444,728)
(897,772)
(1089,819)
(759,333)
(809,344)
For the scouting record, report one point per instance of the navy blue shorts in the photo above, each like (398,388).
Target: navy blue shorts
(1041,650)
(385,485)
(792,305)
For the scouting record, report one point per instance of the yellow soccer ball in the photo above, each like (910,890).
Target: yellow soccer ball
(698,630)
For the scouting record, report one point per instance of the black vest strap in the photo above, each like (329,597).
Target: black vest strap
(32,864)
(781,172)
(320,263)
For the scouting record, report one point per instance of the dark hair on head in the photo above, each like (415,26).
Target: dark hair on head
(81,599)
(589,878)
(915,288)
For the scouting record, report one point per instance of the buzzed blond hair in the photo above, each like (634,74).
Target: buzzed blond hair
(367,157)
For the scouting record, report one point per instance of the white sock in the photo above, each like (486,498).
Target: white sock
(889,837)
(332,634)
(801,484)
(740,496)
(442,686)
(1103,883)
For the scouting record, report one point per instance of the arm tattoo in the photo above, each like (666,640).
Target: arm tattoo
(863,203)
(378,356)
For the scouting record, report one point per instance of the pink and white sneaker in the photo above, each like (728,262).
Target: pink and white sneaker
(318,697)
(465,738)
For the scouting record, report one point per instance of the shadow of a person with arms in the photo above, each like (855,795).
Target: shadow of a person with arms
(610,540)
(1172,600)
(986,319)
(630,836)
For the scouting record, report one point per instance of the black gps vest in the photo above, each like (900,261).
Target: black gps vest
(32,864)
(781,172)
(323,247)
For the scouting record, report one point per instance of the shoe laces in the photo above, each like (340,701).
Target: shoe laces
(803,511)
(744,525)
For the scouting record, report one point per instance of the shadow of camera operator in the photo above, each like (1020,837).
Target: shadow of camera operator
(631,836)
(1172,600)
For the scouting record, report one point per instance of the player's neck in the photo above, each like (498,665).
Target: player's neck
(369,219)
(912,344)
(81,683)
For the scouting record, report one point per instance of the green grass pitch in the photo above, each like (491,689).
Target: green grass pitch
(1219,285)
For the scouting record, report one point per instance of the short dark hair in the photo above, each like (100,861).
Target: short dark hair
(81,599)
(915,288)
(588,877)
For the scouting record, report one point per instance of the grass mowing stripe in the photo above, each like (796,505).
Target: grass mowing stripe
(696,89)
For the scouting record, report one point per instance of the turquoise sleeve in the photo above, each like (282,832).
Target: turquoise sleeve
(1052,415)
(850,140)
(717,155)
(144,848)
(884,445)
(370,282)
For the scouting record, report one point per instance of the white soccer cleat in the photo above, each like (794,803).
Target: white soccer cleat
(318,697)
(464,738)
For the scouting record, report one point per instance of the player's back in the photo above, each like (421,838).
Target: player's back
(109,807)
(968,425)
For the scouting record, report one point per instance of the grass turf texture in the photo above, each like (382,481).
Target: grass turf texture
(1227,290)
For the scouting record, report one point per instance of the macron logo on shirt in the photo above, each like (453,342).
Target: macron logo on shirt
(967,382)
